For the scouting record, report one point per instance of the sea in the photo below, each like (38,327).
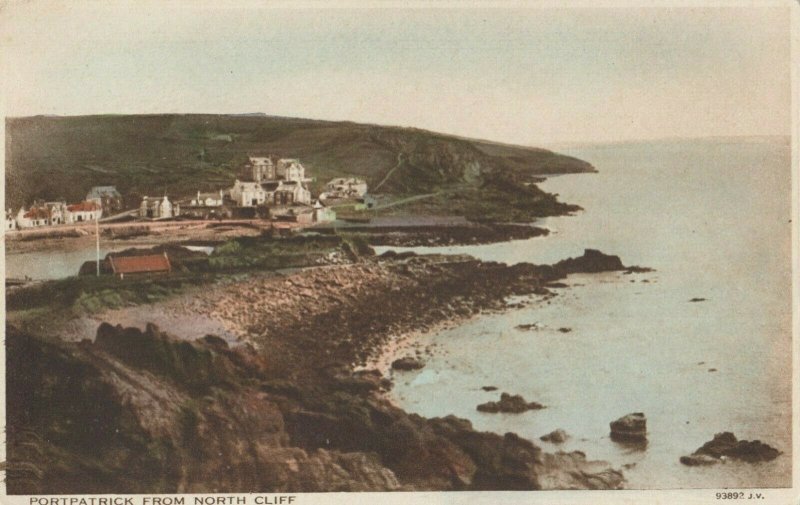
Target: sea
(713,218)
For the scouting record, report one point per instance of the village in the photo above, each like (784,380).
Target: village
(275,189)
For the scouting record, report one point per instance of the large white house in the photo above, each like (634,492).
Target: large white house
(263,168)
(248,194)
(290,169)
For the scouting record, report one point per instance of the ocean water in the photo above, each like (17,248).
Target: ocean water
(713,218)
(49,265)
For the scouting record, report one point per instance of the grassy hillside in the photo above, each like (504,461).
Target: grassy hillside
(62,157)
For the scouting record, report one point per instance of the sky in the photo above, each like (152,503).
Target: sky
(521,75)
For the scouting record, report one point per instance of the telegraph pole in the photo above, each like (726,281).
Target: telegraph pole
(97,235)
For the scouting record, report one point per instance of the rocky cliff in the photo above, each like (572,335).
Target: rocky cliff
(140,411)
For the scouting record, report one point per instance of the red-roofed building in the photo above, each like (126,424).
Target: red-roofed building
(149,264)
(84,211)
(35,216)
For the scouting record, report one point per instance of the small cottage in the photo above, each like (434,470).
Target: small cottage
(132,265)
(342,187)
(207,199)
(323,214)
(84,211)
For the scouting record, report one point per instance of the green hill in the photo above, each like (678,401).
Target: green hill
(62,157)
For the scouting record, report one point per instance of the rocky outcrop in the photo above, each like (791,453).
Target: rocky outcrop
(442,235)
(725,445)
(407,363)
(630,428)
(514,404)
(285,410)
(558,436)
(592,261)
(571,470)
(161,415)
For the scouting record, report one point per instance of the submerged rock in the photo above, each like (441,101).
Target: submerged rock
(558,436)
(629,428)
(699,460)
(695,300)
(407,363)
(726,445)
(513,404)
(489,388)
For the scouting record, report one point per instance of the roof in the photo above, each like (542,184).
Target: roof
(101,191)
(270,186)
(260,160)
(37,213)
(83,207)
(140,264)
(347,180)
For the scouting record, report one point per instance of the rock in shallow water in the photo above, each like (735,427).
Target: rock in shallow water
(558,436)
(699,460)
(726,445)
(513,404)
(629,428)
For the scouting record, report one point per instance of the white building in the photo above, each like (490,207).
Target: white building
(157,208)
(290,169)
(35,217)
(286,193)
(84,211)
(248,194)
(59,212)
(342,187)
(207,199)
(11,222)
(263,168)
(323,214)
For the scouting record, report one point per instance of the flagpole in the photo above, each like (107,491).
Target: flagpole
(97,235)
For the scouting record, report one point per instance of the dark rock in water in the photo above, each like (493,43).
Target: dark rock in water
(725,445)
(565,330)
(629,428)
(591,261)
(513,404)
(558,436)
(712,369)
(489,388)
(637,270)
(407,363)
(556,285)
(695,300)
(529,326)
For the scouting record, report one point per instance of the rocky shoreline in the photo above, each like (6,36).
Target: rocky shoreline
(288,409)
